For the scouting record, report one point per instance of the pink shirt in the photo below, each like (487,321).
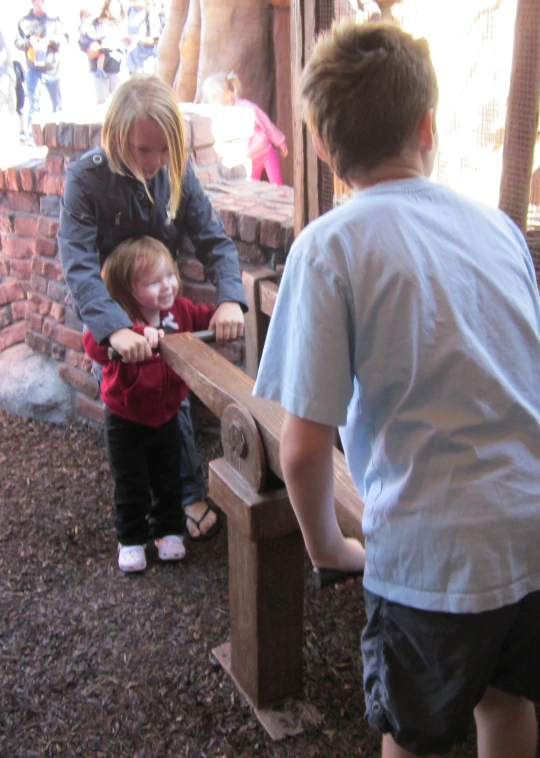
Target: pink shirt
(266,133)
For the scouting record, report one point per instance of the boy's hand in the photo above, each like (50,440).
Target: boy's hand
(132,347)
(153,335)
(228,323)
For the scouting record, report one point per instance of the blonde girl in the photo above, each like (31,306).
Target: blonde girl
(141,183)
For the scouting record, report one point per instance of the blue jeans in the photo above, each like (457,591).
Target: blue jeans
(35,79)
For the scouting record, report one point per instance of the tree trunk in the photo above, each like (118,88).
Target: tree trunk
(210,36)
(168,52)
(185,82)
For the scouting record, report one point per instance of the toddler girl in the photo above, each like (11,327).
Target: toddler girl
(225,89)
(142,398)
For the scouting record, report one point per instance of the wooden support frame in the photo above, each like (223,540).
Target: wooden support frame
(266,552)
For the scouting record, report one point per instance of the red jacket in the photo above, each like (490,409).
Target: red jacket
(148,392)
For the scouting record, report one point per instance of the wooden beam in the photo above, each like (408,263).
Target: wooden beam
(217,383)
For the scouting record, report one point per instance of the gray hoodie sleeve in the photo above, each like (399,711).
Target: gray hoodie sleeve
(213,247)
(80,261)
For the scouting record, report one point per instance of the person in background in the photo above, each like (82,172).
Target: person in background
(226,89)
(20,96)
(104,42)
(142,400)
(410,318)
(144,30)
(41,38)
(142,183)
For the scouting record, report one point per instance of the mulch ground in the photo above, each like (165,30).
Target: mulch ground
(96,663)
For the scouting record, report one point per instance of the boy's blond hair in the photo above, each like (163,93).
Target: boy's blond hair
(133,257)
(364,90)
(145,97)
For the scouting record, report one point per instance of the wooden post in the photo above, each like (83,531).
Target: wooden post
(256,320)
(266,558)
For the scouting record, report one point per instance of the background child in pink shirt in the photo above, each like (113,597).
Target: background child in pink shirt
(226,89)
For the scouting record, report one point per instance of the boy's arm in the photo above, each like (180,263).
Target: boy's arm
(306,456)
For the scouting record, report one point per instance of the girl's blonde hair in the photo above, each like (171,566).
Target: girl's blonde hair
(227,84)
(145,97)
(129,259)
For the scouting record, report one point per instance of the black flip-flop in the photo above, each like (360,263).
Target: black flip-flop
(327,577)
(215,529)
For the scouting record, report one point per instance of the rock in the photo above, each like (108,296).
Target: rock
(31,387)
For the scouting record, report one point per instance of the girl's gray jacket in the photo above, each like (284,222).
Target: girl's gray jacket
(100,209)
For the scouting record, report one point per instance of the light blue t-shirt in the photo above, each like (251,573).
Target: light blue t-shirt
(411,316)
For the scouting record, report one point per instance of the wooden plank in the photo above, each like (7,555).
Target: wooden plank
(522,114)
(256,323)
(217,383)
(278,722)
(268,292)
(299,129)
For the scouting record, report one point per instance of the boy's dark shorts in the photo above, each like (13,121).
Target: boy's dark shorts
(425,671)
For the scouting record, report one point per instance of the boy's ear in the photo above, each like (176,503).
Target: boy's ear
(319,147)
(426,130)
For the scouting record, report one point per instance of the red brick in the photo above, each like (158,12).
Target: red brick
(38,284)
(40,175)
(13,334)
(21,268)
(5,317)
(47,227)
(11,291)
(90,409)
(79,360)
(57,312)
(4,267)
(43,304)
(46,246)
(6,221)
(95,135)
(47,327)
(54,163)
(25,202)
(191,268)
(80,380)
(20,309)
(206,156)
(13,179)
(49,135)
(34,322)
(81,139)
(249,227)
(38,342)
(200,293)
(270,233)
(54,184)
(37,134)
(68,337)
(27,173)
(228,217)
(25,226)
(53,270)
(199,128)
(2,180)
(249,252)
(18,247)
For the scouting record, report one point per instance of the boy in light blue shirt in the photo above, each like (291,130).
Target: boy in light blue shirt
(410,317)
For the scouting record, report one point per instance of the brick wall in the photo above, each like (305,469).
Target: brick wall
(35,305)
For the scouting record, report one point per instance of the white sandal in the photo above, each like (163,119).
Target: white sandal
(131,558)
(171,548)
